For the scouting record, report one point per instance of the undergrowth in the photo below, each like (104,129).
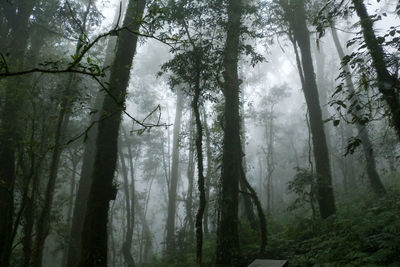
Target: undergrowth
(364,232)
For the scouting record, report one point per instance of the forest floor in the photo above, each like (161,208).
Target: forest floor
(364,232)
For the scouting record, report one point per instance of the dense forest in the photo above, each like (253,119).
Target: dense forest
(199,133)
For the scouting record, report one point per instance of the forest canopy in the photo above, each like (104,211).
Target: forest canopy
(199,133)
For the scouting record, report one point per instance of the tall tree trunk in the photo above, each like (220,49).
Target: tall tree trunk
(85,180)
(113,250)
(70,204)
(127,244)
(132,190)
(323,90)
(247,204)
(102,191)
(9,118)
(200,168)
(190,175)
(208,174)
(43,224)
(170,239)
(227,237)
(29,215)
(26,209)
(146,236)
(83,187)
(261,216)
(68,96)
(270,136)
(372,173)
(388,84)
(295,14)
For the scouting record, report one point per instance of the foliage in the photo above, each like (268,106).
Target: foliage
(365,104)
(304,186)
(365,232)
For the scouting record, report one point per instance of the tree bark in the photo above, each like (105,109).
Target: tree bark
(295,15)
(200,168)
(247,204)
(261,216)
(373,176)
(170,238)
(208,174)
(388,84)
(227,236)
(85,181)
(190,175)
(102,191)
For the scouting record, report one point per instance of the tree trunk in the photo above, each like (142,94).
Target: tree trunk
(70,204)
(83,188)
(261,216)
(132,188)
(227,236)
(127,244)
(247,204)
(372,173)
(297,19)
(190,175)
(9,135)
(146,236)
(208,174)
(88,161)
(270,136)
(69,94)
(388,84)
(43,224)
(31,176)
(170,239)
(102,191)
(200,168)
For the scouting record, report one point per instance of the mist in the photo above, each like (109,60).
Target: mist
(199,133)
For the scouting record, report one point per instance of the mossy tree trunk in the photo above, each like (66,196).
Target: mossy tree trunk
(387,83)
(227,236)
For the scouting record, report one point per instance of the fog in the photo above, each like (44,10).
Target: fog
(195,133)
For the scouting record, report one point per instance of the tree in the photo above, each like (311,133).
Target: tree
(363,134)
(296,16)
(94,234)
(68,97)
(227,236)
(17,26)
(170,227)
(88,158)
(268,122)
(129,192)
(190,176)
(387,83)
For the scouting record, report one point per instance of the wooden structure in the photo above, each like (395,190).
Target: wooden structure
(269,263)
